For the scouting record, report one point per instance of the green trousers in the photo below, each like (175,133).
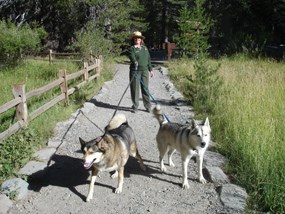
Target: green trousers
(135,88)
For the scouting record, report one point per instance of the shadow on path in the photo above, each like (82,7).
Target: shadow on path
(100,104)
(68,172)
(65,171)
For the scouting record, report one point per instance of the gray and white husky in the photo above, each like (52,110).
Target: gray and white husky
(189,141)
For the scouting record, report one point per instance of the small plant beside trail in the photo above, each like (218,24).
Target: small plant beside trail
(16,151)
(203,86)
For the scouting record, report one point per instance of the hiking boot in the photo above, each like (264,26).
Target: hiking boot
(134,110)
(148,110)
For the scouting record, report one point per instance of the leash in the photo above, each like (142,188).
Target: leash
(103,131)
(147,91)
(122,97)
(80,111)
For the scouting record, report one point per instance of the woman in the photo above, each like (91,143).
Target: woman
(140,65)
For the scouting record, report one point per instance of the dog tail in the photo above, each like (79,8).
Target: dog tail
(158,114)
(116,121)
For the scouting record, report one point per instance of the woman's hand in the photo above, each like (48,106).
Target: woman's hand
(151,73)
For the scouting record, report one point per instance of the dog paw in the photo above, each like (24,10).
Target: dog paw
(118,190)
(171,164)
(115,175)
(89,197)
(185,185)
(202,180)
(143,168)
(163,169)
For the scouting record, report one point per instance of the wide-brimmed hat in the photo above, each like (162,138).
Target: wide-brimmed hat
(137,34)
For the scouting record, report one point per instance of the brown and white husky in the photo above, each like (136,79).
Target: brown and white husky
(111,152)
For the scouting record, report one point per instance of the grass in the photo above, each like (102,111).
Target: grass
(248,123)
(18,149)
(34,74)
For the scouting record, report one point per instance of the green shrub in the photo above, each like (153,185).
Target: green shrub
(16,42)
(92,39)
(16,151)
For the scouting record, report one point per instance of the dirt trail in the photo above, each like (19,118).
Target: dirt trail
(64,187)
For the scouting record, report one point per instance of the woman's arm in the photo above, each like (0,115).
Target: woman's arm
(149,62)
(149,65)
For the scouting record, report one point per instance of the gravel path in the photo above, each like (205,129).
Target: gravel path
(64,186)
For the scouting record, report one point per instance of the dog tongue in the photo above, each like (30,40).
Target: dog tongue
(87,165)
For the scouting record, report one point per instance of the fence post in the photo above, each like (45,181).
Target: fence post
(99,62)
(91,56)
(283,51)
(64,86)
(21,109)
(85,77)
(168,51)
(50,56)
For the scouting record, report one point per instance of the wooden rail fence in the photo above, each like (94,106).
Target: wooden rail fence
(21,96)
(52,56)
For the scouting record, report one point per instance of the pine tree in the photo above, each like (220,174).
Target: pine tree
(194,25)
(117,18)
(161,16)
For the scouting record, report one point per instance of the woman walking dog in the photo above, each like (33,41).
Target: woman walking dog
(140,65)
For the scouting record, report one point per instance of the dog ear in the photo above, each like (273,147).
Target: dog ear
(108,139)
(107,128)
(103,143)
(207,123)
(82,142)
(102,147)
(193,123)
